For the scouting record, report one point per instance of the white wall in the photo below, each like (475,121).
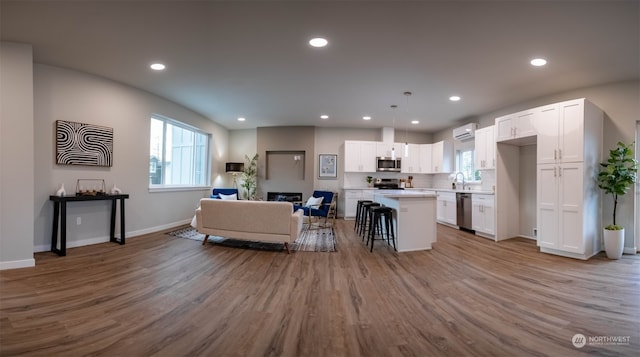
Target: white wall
(62,94)
(16,156)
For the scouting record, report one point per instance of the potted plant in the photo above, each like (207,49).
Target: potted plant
(618,173)
(369,180)
(250,177)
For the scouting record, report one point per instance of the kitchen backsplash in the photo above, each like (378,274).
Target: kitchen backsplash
(358,180)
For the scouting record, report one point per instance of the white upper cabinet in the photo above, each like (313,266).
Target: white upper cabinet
(360,156)
(515,126)
(411,163)
(419,159)
(385,149)
(425,158)
(548,131)
(561,131)
(441,157)
(485,148)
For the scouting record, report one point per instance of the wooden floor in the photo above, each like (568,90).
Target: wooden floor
(166,296)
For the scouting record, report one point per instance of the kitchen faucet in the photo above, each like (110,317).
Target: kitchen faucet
(460,173)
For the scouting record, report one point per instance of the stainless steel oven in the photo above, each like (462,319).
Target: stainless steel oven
(388,164)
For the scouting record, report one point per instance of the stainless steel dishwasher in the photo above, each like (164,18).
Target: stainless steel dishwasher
(463,208)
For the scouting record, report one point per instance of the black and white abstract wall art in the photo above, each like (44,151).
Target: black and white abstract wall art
(83,144)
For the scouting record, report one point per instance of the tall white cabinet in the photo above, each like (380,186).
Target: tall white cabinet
(568,199)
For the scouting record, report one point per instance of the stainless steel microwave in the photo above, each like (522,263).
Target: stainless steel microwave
(387,164)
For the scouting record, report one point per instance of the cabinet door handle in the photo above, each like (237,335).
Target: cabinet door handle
(555,154)
(554,172)
(560,154)
(559,172)
(515,132)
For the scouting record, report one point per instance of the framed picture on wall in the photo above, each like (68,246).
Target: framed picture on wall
(83,144)
(328,166)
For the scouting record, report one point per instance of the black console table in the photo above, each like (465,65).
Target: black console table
(60,214)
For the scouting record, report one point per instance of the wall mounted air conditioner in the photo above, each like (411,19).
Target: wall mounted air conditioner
(465,132)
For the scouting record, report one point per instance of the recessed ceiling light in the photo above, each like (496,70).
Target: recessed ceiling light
(158,66)
(318,42)
(366,118)
(538,62)
(415,122)
(454,98)
(324,117)
(241,119)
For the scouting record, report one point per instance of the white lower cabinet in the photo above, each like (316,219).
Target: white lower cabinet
(483,214)
(351,198)
(568,218)
(446,208)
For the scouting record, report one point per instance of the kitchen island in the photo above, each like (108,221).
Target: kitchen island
(414,217)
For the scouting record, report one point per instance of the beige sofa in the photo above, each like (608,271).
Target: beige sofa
(264,221)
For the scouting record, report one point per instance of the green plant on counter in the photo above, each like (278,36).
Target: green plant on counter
(618,173)
(369,179)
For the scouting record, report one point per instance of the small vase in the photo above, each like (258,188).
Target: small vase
(613,243)
(114,190)
(61,191)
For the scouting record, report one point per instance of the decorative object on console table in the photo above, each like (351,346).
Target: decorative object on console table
(90,187)
(115,190)
(250,177)
(83,144)
(327,166)
(618,173)
(61,191)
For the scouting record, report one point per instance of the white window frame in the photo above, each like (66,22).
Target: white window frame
(458,154)
(207,168)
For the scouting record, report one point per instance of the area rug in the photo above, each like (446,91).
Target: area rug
(311,240)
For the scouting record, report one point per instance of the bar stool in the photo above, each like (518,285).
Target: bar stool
(358,213)
(365,222)
(377,215)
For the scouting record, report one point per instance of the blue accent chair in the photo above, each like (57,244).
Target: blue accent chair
(225,191)
(318,211)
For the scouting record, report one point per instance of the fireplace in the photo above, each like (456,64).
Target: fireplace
(284,196)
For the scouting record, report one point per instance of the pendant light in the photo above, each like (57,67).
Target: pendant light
(393,147)
(406,133)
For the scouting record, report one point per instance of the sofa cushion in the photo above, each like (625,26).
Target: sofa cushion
(228,197)
(313,202)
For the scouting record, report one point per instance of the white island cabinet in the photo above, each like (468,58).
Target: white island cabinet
(414,217)
(351,198)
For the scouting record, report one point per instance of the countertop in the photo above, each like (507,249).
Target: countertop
(485,192)
(405,194)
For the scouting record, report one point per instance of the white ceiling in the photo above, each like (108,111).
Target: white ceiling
(251,59)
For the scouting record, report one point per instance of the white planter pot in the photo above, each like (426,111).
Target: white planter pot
(613,243)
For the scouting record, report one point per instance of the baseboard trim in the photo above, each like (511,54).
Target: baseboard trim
(17,264)
(98,240)
(630,250)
